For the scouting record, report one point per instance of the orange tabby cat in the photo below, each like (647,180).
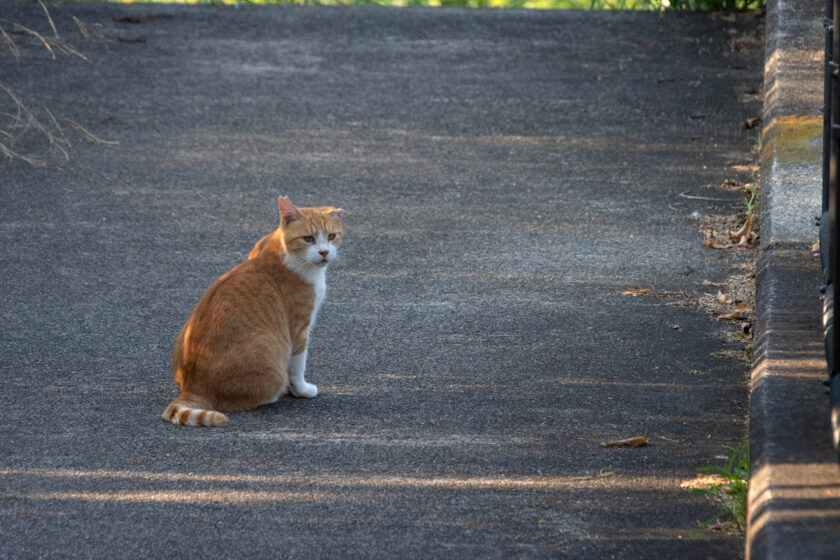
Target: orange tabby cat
(245,343)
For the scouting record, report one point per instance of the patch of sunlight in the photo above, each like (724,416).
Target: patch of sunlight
(805,368)
(178,496)
(329,438)
(542,482)
(702,481)
(522,4)
(794,496)
(793,138)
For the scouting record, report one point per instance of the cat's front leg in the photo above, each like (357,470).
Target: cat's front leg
(297,384)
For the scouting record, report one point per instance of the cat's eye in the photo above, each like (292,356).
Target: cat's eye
(331,236)
(309,239)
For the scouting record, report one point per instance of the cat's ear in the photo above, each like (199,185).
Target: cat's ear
(337,212)
(288,211)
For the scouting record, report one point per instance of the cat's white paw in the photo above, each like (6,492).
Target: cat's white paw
(304,390)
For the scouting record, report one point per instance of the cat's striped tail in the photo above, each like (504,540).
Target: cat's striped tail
(185,412)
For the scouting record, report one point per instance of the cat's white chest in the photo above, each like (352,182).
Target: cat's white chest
(320,285)
(314,275)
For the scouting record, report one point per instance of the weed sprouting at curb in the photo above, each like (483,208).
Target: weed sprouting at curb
(750,194)
(758,142)
(748,353)
(729,489)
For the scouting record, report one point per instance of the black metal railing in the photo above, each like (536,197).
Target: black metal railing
(829,242)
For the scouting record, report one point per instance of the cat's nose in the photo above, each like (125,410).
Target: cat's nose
(324,253)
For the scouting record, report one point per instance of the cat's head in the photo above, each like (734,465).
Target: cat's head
(311,235)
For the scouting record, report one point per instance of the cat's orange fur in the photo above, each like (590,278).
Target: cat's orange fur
(234,350)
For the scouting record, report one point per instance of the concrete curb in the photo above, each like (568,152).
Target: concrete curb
(794,496)
(791,152)
(795,482)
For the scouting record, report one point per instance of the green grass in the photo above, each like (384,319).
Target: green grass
(650,5)
(731,491)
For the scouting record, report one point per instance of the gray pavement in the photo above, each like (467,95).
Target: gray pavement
(508,173)
(795,480)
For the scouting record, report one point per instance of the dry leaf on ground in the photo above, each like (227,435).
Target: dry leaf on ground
(715,244)
(629,442)
(745,235)
(745,241)
(752,123)
(642,291)
(734,316)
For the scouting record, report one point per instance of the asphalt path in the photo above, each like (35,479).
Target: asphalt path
(507,174)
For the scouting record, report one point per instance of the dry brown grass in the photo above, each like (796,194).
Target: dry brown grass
(17,118)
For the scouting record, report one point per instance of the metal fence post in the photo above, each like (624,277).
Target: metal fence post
(828,23)
(832,334)
(823,218)
(832,161)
